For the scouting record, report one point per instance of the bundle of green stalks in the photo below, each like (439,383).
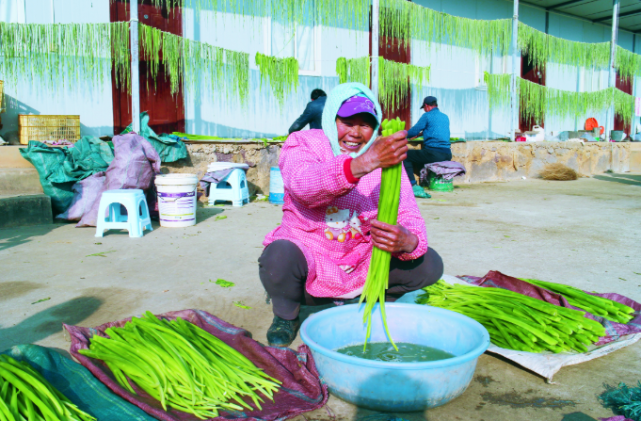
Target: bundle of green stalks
(377,280)
(516,321)
(599,306)
(25,395)
(182,366)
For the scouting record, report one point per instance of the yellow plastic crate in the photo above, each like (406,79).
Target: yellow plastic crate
(48,127)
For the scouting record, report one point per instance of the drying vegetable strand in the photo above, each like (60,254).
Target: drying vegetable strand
(394,78)
(203,65)
(537,101)
(26,395)
(599,306)
(182,366)
(63,55)
(377,280)
(516,321)
(280,73)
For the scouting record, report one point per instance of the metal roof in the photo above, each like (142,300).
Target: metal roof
(597,11)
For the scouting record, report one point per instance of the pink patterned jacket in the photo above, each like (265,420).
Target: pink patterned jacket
(327,214)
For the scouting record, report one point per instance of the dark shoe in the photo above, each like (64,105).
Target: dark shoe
(282,332)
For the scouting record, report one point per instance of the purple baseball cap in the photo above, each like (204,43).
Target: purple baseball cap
(356,105)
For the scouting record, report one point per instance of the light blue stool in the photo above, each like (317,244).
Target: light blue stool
(232,188)
(137,218)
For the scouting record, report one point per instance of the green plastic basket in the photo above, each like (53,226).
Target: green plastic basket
(437,183)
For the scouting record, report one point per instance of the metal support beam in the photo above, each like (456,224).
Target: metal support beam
(515,97)
(611,73)
(622,15)
(547,22)
(135,73)
(564,4)
(375,41)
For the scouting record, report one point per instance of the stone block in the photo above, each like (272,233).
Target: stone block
(24,210)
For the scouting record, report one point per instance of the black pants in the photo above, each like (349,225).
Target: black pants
(417,159)
(283,272)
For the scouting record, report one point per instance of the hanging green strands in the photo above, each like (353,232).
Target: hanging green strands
(196,63)
(280,73)
(64,55)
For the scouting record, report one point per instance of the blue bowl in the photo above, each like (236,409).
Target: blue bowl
(389,386)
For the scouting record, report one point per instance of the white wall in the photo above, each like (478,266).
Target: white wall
(454,75)
(93,103)
(207,113)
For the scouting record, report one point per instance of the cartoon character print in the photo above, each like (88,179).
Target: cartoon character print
(355,226)
(337,221)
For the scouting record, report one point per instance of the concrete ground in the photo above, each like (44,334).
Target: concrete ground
(585,233)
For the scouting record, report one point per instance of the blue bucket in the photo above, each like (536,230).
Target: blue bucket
(389,386)
(276,187)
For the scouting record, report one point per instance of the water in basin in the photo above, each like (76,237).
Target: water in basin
(384,351)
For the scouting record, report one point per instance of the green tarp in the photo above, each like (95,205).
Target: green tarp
(60,168)
(169,147)
(78,384)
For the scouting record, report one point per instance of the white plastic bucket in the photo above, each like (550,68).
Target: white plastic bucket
(177,199)
(276,187)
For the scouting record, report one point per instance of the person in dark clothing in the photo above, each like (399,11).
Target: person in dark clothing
(313,113)
(435,127)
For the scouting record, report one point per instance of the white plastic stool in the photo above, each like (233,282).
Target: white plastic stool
(232,188)
(137,218)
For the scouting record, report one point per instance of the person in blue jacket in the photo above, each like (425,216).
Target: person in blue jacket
(435,127)
(313,113)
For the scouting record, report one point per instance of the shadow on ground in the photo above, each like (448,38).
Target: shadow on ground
(48,322)
(12,237)
(633,180)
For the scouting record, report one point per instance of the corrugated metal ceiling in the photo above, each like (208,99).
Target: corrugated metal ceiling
(596,11)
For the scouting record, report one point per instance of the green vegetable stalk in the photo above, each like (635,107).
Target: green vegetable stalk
(599,306)
(182,366)
(516,321)
(26,395)
(378,275)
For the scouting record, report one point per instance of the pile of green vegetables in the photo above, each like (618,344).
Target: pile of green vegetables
(26,395)
(378,275)
(182,366)
(599,306)
(516,321)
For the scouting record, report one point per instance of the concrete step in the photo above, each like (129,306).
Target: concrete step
(19,181)
(23,210)
(17,175)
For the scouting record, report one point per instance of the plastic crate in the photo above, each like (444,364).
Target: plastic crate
(48,127)
(438,183)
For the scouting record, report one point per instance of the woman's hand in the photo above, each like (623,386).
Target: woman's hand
(393,238)
(385,152)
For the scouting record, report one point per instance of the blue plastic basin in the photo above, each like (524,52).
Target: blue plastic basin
(388,386)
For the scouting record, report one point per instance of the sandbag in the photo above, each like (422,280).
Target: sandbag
(76,383)
(301,390)
(85,193)
(134,166)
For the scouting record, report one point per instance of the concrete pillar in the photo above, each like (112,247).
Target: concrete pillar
(611,73)
(135,73)
(515,67)
(375,41)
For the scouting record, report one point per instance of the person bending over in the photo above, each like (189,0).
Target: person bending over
(435,127)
